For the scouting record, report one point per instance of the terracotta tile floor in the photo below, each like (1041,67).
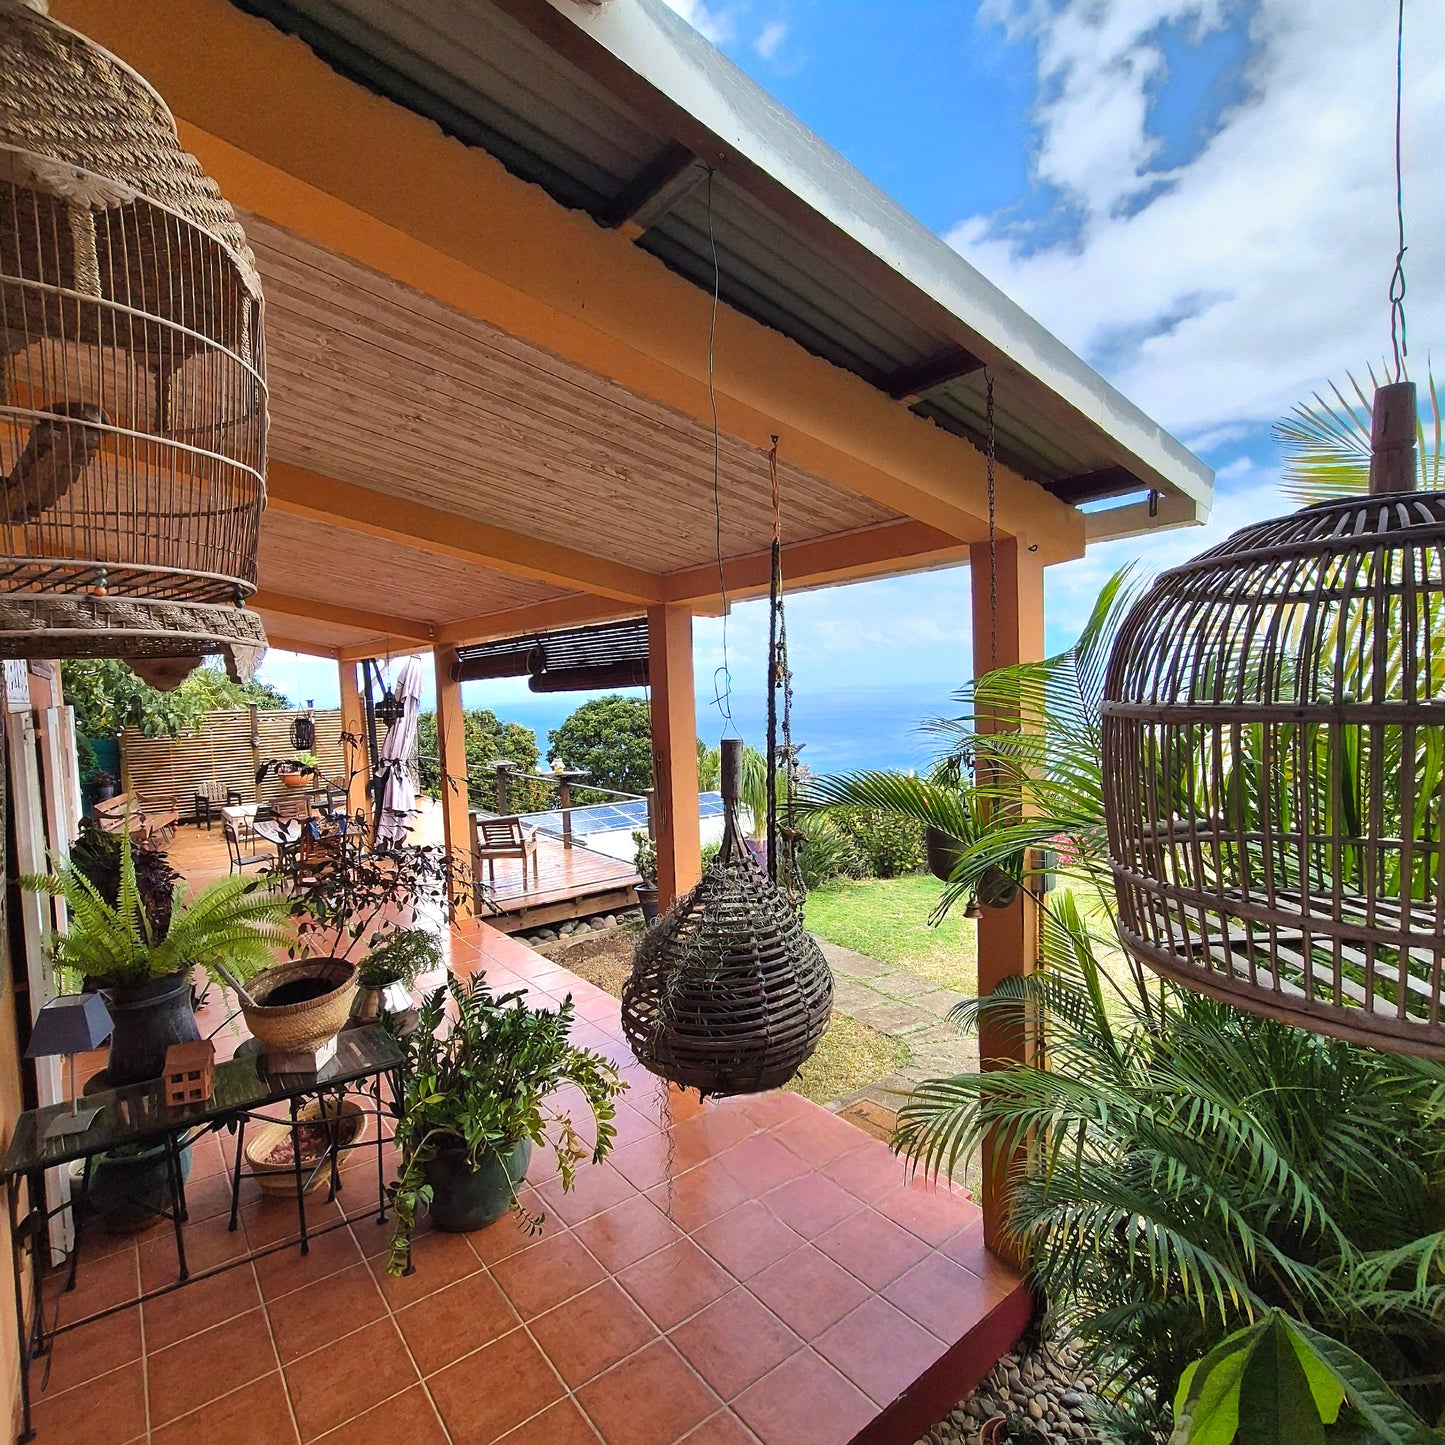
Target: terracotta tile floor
(767,1277)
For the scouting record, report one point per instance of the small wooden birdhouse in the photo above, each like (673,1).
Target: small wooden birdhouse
(190,1072)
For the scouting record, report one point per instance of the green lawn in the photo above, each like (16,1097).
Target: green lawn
(887,918)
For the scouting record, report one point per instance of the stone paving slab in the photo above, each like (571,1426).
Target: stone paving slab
(851,964)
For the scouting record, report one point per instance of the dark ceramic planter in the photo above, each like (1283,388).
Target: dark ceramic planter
(464,1199)
(149,1017)
(943,851)
(647,902)
(129,1192)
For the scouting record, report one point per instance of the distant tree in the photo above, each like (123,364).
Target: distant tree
(488,738)
(108,697)
(709,767)
(611,738)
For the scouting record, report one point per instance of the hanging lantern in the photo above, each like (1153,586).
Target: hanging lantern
(389,708)
(132,393)
(729,994)
(1274,761)
(303,732)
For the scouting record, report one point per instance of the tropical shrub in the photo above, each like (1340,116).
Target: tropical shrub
(827,851)
(888,843)
(108,697)
(1179,1166)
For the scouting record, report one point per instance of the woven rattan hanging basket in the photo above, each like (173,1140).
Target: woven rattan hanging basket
(1274,762)
(132,390)
(729,994)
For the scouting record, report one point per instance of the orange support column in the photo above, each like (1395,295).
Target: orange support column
(674,751)
(452,755)
(1007,937)
(358,757)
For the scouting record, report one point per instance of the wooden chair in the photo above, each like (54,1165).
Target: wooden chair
(239,861)
(210,797)
(125,811)
(494,838)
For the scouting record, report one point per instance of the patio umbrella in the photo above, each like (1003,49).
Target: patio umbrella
(398,779)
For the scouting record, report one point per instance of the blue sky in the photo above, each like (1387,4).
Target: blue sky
(1195,195)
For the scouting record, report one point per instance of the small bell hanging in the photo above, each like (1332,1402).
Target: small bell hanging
(729,993)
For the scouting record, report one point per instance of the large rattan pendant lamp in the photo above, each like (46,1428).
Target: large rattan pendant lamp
(1274,757)
(132,392)
(729,993)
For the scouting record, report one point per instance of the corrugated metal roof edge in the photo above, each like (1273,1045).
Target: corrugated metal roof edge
(652,41)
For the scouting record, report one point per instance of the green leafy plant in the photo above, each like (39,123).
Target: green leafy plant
(402,957)
(1279,1382)
(644,857)
(826,851)
(108,697)
(1178,1167)
(610,739)
(230,928)
(1326,443)
(479,1073)
(98,856)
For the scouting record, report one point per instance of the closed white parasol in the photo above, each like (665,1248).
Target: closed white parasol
(396,765)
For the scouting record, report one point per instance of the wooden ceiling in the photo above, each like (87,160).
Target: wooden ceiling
(376,384)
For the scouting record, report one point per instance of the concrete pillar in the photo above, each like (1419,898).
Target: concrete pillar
(452,755)
(674,751)
(1007,937)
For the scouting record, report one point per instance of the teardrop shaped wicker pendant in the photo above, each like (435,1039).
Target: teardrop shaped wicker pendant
(729,993)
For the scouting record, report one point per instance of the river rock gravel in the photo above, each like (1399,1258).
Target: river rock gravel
(1041,1392)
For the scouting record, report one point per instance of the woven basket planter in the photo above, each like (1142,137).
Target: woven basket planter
(280,1178)
(729,994)
(310,1023)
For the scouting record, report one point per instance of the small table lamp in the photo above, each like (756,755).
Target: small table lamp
(72,1024)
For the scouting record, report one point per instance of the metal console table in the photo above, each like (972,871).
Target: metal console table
(139,1115)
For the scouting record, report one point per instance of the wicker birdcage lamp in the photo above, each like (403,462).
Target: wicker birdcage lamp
(729,993)
(132,390)
(1274,761)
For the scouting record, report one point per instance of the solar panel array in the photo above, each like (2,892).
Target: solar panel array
(615,817)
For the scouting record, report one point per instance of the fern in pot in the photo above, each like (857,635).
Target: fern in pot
(138,935)
(479,1073)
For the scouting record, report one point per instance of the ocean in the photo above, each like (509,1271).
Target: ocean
(840,729)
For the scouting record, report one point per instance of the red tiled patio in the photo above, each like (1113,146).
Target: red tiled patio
(749,1270)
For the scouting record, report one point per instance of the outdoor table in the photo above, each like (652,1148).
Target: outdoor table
(281,833)
(138,1114)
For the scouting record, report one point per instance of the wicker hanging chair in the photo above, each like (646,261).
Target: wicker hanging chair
(1274,729)
(729,994)
(132,390)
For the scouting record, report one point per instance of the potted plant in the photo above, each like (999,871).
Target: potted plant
(292,772)
(105,784)
(644,859)
(136,935)
(474,1101)
(386,975)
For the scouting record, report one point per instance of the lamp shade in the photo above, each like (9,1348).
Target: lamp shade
(74,1023)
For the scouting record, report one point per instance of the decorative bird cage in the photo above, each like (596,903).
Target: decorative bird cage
(1274,762)
(729,994)
(132,392)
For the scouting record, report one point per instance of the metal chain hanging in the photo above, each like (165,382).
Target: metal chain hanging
(782,842)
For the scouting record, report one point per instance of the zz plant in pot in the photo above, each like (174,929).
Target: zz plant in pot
(142,957)
(479,1074)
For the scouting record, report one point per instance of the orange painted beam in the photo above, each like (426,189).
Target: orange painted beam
(1008,938)
(845,557)
(288,138)
(284,605)
(296,492)
(378,647)
(452,752)
(307,649)
(674,752)
(358,758)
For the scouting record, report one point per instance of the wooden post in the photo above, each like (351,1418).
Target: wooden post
(452,759)
(674,751)
(358,758)
(564,804)
(1007,937)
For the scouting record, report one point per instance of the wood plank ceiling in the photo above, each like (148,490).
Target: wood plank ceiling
(378,385)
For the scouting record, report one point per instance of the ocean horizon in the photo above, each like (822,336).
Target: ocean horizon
(839,729)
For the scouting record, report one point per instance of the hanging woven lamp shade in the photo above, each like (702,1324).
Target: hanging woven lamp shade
(729,994)
(132,390)
(1274,762)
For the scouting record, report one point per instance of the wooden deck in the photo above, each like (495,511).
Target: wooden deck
(570,882)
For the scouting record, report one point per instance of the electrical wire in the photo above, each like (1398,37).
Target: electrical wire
(722,678)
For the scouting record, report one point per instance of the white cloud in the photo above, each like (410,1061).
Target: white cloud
(770,39)
(715,22)
(1223,291)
